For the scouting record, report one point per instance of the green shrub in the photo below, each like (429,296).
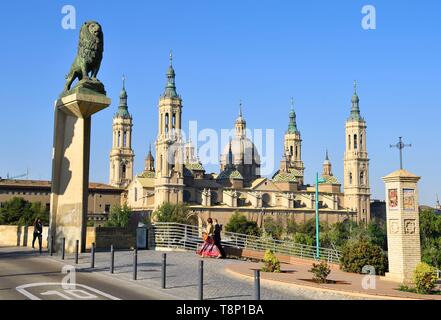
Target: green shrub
(304,238)
(271,263)
(425,278)
(119,217)
(360,253)
(320,271)
(239,223)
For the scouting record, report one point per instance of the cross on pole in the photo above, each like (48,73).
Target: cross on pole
(400,146)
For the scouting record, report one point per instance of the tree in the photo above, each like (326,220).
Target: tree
(359,253)
(19,211)
(430,233)
(239,223)
(177,213)
(273,228)
(377,234)
(119,216)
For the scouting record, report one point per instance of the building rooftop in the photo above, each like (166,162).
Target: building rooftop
(47,184)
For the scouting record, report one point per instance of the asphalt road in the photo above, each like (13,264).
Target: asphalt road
(27,275)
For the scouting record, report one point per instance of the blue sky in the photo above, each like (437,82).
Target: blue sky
(263,52)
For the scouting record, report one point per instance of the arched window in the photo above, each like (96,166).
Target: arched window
(355,141)
(166,123)
(125,139)
(349,142)
(361,141)
(350,177)
(174,121)
(119,139)
(291,150)
(123,175)
(297,152)
(362,177)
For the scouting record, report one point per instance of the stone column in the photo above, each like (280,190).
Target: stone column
(403,227)
(70,167)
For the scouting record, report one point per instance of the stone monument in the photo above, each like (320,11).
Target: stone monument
(71,148)
(403,226)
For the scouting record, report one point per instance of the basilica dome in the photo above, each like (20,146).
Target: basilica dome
(243,150)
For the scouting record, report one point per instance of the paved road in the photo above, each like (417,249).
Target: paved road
(20,267)
(27,275)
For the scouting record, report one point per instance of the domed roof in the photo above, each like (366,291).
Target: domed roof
(146,174)
(242,148)
(230,174)
(330,179)
(285,177)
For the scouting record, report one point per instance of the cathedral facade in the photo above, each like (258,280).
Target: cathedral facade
(178,176)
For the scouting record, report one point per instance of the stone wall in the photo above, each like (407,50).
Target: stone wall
(12,236)
(121,238)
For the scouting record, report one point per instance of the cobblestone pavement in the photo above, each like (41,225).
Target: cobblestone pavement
(182,276)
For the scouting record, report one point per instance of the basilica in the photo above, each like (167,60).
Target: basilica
(178,176)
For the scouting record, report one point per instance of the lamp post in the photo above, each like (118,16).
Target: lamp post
(317,219)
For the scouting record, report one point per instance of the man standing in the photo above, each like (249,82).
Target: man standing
(217,237)
(38,233)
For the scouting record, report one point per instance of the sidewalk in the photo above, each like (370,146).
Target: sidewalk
(297,276)
(182,276)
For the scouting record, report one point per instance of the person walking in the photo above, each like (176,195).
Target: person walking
(208,247)
(217,238)
(38,233)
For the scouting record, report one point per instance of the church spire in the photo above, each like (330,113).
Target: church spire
(123,107)
(292,127)
(230,156)
(240,123)
(355,111)
(170,88)
(327,167)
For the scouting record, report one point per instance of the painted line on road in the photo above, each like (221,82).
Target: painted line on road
(22,289)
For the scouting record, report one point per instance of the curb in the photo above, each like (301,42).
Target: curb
(273,283)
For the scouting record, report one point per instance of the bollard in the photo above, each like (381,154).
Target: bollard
(63,248)
(201,280)
(52,246)
(164,269)
(76,251)
(256,284)
(92,253)
(135,264)
(112,259)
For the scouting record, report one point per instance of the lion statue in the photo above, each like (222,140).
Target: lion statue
(89,56)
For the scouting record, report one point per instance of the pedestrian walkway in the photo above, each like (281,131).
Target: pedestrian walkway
(182,276)
(298,276)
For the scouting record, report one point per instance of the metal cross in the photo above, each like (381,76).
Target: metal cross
(400,146)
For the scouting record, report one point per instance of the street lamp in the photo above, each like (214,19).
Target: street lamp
(317,219)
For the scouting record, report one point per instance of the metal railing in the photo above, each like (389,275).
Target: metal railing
(187,237)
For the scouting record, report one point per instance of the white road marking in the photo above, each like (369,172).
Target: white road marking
(80,294)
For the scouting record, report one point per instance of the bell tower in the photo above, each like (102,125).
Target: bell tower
(122,155)
(356,163)
(293,144)
(169,181)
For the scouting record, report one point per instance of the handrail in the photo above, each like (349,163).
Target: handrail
(181,236)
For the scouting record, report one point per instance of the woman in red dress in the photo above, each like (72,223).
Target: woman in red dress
(208,248)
